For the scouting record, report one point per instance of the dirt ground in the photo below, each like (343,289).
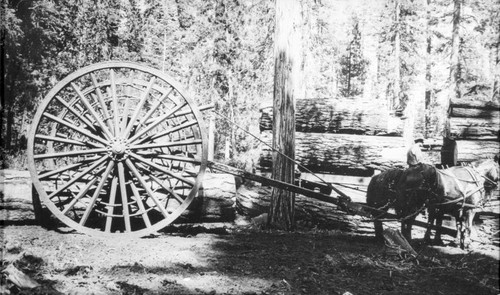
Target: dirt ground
(232,260)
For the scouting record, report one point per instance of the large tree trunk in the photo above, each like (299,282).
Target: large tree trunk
(397,56)
(496,71)
(286,84)
(428,74)
(454,92)
(330,115)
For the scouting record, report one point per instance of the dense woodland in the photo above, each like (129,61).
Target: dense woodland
(408,56)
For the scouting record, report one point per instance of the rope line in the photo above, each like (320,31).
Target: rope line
(282,154)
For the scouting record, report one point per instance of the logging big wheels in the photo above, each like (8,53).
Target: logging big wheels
(117,148)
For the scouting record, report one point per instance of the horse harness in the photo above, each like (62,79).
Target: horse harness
(475,180)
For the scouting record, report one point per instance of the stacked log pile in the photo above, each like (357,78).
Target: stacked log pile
(342,136)
(476,127)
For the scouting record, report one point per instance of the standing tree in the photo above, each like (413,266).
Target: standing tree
(454,92)
(353,65)
(397,98)
(286,84)
(428,70)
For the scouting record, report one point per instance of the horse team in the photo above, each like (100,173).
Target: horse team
(457,191)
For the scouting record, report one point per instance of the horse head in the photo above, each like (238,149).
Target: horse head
(490,171)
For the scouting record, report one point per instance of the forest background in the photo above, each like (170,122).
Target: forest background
(221,51)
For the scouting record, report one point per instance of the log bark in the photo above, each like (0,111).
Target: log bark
(252,200)
(328,115)
(475,104)
(472,150)
(15,196)
(475,128)
(480,113)
(215,201)
(343,154)
(287,82)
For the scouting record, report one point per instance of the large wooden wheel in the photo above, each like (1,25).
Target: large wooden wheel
(117,148)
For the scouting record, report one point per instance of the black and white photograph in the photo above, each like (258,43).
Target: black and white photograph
(255,147)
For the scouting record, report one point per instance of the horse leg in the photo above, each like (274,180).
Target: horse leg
(379,230)
(406,226)
(468,218)
(430,222)
(439,223)
(459,218)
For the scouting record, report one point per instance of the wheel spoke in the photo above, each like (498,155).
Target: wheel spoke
(145,95)
(123,193)
(142,209)
(100,98)
(169,190)
(169,131)
(162,169)
(97,191)
(166,144)
(156,122)
(172,157)
(74,127)
(78,177)
(91,110)
(71,153)
(77,113)
(146,187)
(155,107)
(63,140)
(126,108)
(60,170)
(79,196)
(111,207)
(114,101)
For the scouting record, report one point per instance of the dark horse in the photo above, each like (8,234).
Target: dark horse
(460,192)
(407,191)
(381,194)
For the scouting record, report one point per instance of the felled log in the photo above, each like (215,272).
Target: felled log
(475,128)
(369,117)
(15,197)
(253,199)
(489,110)
(467,103)
(342,154)
(472,150)
(215,202)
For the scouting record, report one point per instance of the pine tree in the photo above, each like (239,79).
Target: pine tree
(353,65)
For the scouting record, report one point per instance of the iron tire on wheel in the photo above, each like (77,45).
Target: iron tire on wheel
(117,148)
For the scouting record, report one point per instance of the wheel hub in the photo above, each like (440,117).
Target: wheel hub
(118,149)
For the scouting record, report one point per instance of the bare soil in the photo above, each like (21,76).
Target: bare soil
(241,261)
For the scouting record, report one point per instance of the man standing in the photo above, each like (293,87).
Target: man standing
(414,154)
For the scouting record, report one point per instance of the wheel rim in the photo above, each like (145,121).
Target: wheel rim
(117,148)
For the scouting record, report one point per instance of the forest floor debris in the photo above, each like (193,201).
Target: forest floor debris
(234,261)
